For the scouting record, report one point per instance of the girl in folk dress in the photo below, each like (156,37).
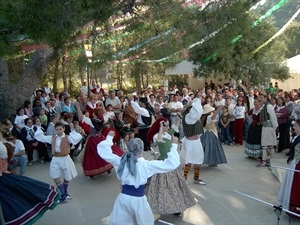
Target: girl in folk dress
(281,112)
(212,147)
(167,193)
(253,141)
(92,164)
(239,113)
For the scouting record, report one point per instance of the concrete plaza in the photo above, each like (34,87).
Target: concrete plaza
(217,203)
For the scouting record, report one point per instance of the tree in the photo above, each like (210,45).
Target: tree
(230,53)
(130,32)
(51,23)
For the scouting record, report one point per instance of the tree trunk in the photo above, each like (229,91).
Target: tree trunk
(64,76)
(55,76)
(137,75)
(13,95)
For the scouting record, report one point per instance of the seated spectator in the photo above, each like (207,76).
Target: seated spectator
(109,116)
(37,105)
(68,106)
(19,158)
(123,127)
(11,128)
(19,119)
(43,118)
(27,136)
(28,109)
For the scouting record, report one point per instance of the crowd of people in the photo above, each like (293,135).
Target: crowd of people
(110,130)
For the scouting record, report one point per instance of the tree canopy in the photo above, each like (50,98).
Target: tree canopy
(137,40)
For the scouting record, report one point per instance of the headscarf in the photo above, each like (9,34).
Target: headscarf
(135,147)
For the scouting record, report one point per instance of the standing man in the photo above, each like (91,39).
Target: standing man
(249,99)
(269,123)
(84,89)
(192,149)
(144,119)
(175,108)
(47,89)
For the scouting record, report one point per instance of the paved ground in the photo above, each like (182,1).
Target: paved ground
(218,204)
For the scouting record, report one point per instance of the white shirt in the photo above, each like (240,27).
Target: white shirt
(3,151)
(19,120)
(84,89)
(175,105)
(73,138)
(18,146)
(239,112)
(164,135)
(145,168)
(195,112)
(140,111)
(218,103)
(47,90)
(108,115)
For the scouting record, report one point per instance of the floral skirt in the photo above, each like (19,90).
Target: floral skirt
(168,193)
(25,200)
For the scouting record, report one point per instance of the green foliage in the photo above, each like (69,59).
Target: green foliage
(230,54)
(130,32)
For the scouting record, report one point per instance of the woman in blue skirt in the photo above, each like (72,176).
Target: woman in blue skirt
(212,147)
(23,200)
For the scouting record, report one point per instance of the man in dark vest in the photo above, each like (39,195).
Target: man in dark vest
(269,124)
(142,111)
(192,150)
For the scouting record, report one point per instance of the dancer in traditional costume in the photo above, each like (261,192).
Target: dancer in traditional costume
(253,141)
(61,163)
(167,193)
(92,164)
(133,171)
(269,124)
(192,150)
(212,147)
(289,195)
(23,200)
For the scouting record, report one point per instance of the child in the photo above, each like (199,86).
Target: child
(225,126)
(239,113)
(61,163)
(37,123)
(78,128)
(43,118)
(178,197)
(133,171)
(81,131)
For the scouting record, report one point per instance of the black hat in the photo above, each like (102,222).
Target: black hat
(143,100)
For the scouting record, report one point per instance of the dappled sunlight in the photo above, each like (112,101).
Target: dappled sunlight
(236,202)
(198,193)
(104,220)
